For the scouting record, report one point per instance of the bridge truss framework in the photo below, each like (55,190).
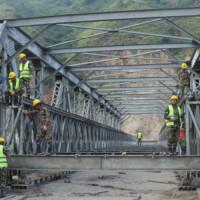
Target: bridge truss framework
(87,116)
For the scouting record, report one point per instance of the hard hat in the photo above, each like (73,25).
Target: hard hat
(12,75)
(22,55)
(174,97)
(2,140)
(184,66)
(36,101)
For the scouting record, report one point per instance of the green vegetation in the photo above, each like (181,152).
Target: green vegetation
(59,34)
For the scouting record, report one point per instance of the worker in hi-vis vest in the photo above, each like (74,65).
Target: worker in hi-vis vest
(139,137)
(4,152)
(14,92)
(173,118)
(25,72)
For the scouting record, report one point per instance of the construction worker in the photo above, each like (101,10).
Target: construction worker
(25,71)
(139,137)
(4,152)
(45,125)
(182,139)
(14,89)
(173,117)
(184,80)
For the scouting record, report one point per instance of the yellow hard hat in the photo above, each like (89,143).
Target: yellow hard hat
(184,66)
(36,101)
(12,75)
(22,55)
(174,97)
(2,140)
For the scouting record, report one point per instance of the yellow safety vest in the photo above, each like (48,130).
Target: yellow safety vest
(171,113)
(17,87)
(139,136)
(25,73)
(3,159)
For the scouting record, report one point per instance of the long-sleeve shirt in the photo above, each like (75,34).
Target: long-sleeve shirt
(184,77)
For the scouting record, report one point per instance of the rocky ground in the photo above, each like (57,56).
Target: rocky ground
(112,185)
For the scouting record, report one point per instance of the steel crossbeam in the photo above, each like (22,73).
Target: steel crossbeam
(105,16)
(123,67)
(122,48)
(109,162)
(130,79)
(135,88)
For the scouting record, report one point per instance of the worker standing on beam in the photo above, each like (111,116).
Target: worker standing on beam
(139,137)
(14,91)
(45,125)
(173,117)
(25,71)
(4,152)
(184,80)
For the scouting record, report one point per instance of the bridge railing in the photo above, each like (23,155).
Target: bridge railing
(70,132)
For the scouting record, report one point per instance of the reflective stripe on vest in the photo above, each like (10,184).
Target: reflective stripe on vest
(171,113)
(24,73)
(3,160)
(16,84)
(139,135)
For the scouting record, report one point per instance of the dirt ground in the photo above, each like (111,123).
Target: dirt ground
(112,185)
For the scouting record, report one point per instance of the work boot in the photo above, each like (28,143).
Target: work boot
(170,151)
(38,150)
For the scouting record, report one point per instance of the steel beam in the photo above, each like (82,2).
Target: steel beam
(130,79)
(105,163)
(105,16)
(122,48)
(20,37)
(135,88)
(123,67)
(137,95)
(139,101)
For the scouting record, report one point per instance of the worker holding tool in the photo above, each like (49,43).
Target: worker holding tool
(4,152)
(14,92)
(25,71)
(139,137)
(173,118)
(184,80)
(45,125)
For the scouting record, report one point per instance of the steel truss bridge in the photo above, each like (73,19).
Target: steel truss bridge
(88,109)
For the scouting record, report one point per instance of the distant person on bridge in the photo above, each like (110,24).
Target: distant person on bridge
(14,91)
(184,80)
(4,152)
(25,72)
(173,117)
(139,137)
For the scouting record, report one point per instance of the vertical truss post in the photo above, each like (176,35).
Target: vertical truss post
(38,76)
(187,129)
(57,92)
(77,101)
(66,103)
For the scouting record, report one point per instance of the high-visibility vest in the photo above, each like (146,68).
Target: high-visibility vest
(25,73)
(3,159)
(16,87)
(139,135)
(171,113)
